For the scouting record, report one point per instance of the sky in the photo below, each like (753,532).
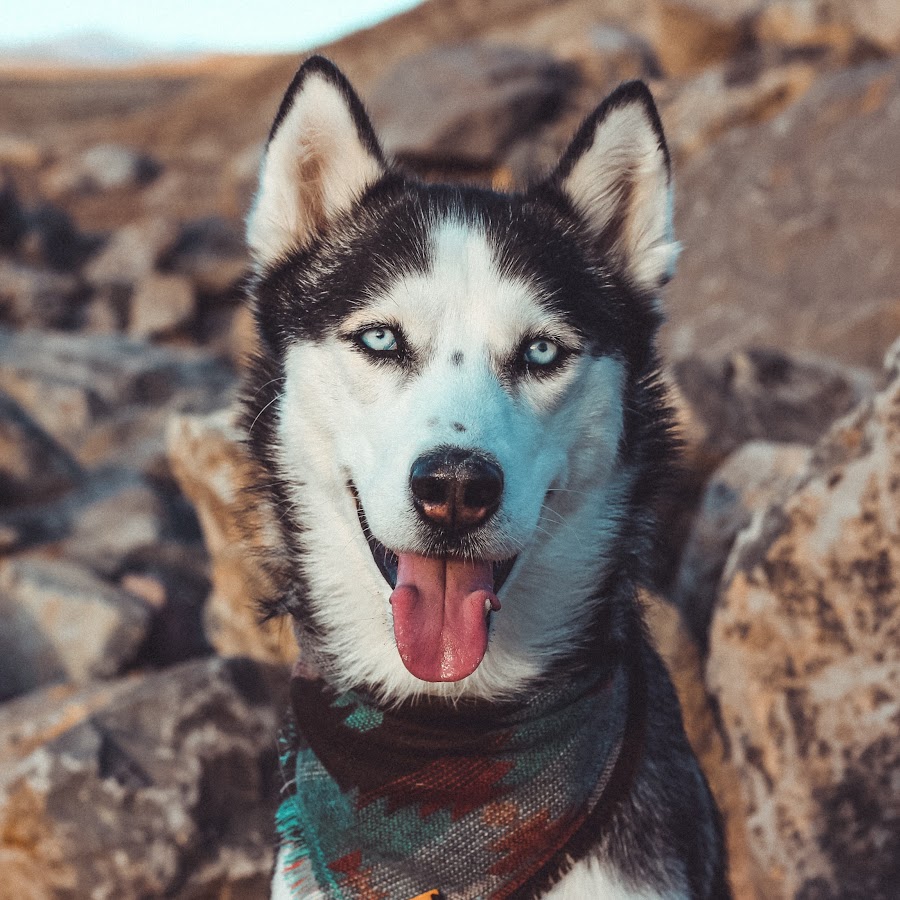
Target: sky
(257,25)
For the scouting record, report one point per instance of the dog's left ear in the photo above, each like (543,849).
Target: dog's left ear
(617,174)
(321,155)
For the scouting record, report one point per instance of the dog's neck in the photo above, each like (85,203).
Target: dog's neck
(468,798)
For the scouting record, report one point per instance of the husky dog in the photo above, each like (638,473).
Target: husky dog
(458,418)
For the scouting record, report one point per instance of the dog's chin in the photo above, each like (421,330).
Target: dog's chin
(441,605)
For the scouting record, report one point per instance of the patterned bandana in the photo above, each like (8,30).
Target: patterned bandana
(470,802)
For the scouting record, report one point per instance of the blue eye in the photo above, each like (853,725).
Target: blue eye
(541,352)
(379,340)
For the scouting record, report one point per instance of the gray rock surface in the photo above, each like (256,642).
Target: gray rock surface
(70,382)
(104,167)
(805,666)
(789,228)
(759,394)
(165,789)
(211,252)
(466,104)
(59,622)
(749,480)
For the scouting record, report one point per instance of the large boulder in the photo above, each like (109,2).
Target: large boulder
(164,788)
(804,665)
(790,228)
(211,252)
(59,622)
(465,105)
(160,305)
(214,471)
(760,394)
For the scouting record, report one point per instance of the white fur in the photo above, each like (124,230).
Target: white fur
(343,418)
(314,168)
(592,880)
(623,175)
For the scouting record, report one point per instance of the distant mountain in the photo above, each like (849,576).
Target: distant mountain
(87,48)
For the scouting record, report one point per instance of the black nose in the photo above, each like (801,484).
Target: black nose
(456,489)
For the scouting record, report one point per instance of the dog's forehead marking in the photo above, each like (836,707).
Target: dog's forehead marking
(464,304)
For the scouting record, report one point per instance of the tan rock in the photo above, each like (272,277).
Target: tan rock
(161,787)
(748,481)
(790,227)
(805,666)
(132,252)
(841,25)
(699,110)
(60,622)
(161,304)
(693,34)
(682,658)
(208,459)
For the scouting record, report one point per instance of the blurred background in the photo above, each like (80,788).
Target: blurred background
(139,700)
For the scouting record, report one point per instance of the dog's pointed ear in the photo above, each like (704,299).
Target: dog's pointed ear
(617,175)
(321,155)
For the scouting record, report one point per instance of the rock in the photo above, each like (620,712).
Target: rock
(132,253)
(761,395)
(107,531)
(211,252)
(693,34)
(161,304)
(698,111)
(52,239)
(103,167)
(622,53)
(805,666)
(19,152)
(174,579)
(113,521)
(33,467)
(846,26)
(683,660)
(68,383)
(208,459)
(179,773)
(12,216)
(38,298)
(59,622)
(748,480)
(789,228)
(466,104)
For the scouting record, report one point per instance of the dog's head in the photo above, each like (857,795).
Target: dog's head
(458,377)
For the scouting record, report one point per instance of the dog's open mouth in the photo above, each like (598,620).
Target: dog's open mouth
(441,607)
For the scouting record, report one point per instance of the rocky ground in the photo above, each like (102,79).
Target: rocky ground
(138,699)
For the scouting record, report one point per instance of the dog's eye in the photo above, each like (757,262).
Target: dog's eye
(541,352)
(378,340)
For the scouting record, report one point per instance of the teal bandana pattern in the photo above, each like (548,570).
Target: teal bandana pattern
(478,801)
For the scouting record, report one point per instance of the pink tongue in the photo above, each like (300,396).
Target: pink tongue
(439,620)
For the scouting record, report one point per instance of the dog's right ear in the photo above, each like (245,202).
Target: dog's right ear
(320,157)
